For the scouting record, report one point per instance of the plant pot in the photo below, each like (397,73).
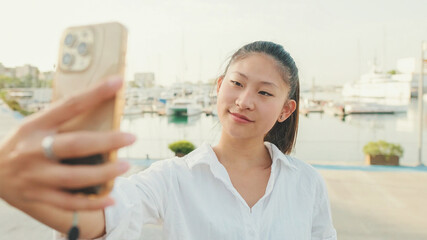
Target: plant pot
(178,154)
(382,160)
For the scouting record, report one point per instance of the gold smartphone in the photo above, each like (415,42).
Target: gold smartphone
(88,55)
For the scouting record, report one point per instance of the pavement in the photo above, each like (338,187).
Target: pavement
(376,205)
(380,205)
(8,119)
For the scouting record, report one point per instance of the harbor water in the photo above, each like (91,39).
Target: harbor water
(322,138)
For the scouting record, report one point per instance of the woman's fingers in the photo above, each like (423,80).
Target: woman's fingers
(69,107)
(80,176)
(71,145)
(80,144)
(70,201)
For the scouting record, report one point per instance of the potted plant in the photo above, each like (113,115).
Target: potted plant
(382,153)
(181,148)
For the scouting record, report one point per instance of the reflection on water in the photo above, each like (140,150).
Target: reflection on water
(321,137)
(154,133)
(368,121)
(183,120)
(325,138)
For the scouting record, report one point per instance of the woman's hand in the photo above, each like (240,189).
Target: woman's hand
(27,176)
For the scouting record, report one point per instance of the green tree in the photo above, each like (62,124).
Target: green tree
(182,147)
(8,82)
(13,104)
(132,84)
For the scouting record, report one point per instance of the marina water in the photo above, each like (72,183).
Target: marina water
(322,138)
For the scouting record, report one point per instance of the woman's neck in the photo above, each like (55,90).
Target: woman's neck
(242,154)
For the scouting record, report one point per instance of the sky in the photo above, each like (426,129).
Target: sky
(332,41)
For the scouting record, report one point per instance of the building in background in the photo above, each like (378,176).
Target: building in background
(2,69)
(46,76)
(8,72)
(27,73)
(144,80)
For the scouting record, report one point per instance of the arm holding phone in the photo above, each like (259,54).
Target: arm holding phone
(63,159)
(31,182)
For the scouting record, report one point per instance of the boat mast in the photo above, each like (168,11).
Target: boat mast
(384,51)
(312,89)
(358,56)
(420,100)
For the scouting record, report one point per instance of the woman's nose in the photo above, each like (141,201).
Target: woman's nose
(245,101)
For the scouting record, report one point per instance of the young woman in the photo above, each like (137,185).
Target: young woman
(246,187)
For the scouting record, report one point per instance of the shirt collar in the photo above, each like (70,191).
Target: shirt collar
(276,154)
(202,155)
(205,155)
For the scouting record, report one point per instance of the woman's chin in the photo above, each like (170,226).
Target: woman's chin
(240,134)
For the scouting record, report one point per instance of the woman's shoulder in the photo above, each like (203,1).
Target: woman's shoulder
(202,154)
(295,165)
(166,165)
(303,167)
(308,176)
(300,164)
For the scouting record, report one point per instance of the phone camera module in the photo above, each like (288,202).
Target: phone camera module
(82,49)
(69,40)
(67,59)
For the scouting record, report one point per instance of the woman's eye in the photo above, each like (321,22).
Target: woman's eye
(265,93)
(236,83)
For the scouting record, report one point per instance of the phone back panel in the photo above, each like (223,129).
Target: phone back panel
(88,55)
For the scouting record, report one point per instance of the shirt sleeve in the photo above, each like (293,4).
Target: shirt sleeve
(139,199)
(322,226)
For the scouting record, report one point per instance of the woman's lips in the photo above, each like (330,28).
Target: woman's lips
(240,118)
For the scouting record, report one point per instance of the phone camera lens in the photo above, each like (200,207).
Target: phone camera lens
(69,40)
(67,59)
(82,49)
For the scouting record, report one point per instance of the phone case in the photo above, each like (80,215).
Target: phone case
(89,55)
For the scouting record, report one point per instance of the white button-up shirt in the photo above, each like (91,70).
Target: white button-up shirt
(195,200)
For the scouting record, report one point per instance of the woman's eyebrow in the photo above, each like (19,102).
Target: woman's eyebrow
(262,82)
(269,84)
(241,74)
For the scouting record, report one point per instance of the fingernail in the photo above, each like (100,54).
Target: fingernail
(123,166)
(115,82)
(129,138)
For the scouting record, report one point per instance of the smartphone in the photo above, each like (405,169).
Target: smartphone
(88,55)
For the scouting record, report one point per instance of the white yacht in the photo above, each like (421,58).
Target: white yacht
(375,108)
(366,106)
(378,85)
(184,107)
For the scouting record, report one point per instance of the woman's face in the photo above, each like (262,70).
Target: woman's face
(252,96)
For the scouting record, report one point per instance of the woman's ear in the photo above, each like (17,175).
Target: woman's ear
(287,110)
(219,82)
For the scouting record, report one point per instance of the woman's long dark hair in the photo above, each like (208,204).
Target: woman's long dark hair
(282,134)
